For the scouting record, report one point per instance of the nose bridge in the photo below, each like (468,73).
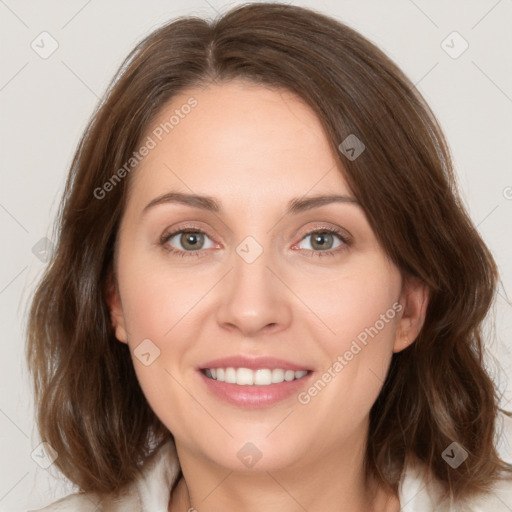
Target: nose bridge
(254,297)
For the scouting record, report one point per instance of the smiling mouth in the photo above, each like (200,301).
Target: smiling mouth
(248,377)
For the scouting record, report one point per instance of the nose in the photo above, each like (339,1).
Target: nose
(254,298)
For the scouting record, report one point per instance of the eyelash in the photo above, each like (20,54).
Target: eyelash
(310,253)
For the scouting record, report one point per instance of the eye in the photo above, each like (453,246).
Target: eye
(189,242)
(323,242)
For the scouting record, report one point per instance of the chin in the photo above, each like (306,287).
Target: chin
(255,453)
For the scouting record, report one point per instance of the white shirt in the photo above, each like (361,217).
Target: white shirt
(151,493)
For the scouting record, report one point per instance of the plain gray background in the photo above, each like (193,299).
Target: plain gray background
(46,102)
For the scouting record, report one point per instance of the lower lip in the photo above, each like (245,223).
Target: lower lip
(255,396)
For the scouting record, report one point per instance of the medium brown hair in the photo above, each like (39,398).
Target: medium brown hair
(90,407)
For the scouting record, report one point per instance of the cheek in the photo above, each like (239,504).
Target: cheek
(355,303)
(156,301)
(159,311)
(358,315)
(158,308)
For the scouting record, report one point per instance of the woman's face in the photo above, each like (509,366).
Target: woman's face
(265,279)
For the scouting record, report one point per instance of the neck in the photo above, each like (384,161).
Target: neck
(335,481)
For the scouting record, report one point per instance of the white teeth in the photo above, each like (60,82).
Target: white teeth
(289,375)
(277,375)
(263,377)
(244,377)
(230,376)
(248,377)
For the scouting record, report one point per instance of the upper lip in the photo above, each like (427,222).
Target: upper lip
(253,363)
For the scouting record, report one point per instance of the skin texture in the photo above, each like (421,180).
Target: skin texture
(254,149)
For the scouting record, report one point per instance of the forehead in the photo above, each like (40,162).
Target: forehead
(247,141)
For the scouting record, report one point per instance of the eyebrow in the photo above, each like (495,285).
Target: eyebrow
(209,203)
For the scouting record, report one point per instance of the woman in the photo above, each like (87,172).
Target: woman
(266,293)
